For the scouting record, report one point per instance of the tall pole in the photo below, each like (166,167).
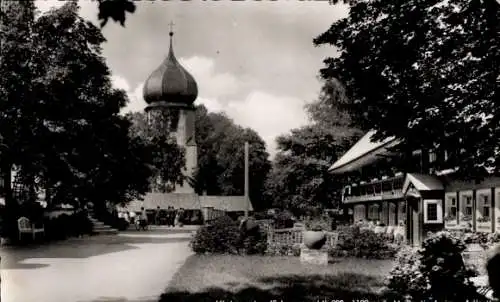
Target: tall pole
(247,199)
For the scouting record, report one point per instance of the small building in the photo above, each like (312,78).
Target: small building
(192,204)
(421,198)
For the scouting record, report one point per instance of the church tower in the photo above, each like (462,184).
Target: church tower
(170,92)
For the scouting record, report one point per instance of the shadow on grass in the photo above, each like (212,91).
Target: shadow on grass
(345,287)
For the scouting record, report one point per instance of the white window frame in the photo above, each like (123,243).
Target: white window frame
(439,204)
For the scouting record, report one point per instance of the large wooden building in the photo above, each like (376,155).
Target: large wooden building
(422,202)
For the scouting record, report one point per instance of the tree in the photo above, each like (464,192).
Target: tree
(221,157)
(60,115)
(116,10)
(167,158)
(300,180)
(426,72)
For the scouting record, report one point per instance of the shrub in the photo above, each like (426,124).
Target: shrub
(252,240)
(64,226)
(319,223)
(254,244)
(355,242)
(405,281)
(434,272)
(220,237)
(283,220)
(486,240)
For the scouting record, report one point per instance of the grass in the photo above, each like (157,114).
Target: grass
(266,278)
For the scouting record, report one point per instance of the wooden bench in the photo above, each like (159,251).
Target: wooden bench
(26,227)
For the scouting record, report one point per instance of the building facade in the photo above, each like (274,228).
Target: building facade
(419,200)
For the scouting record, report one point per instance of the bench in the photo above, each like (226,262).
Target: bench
(26,227)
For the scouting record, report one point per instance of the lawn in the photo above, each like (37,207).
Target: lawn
(266,278)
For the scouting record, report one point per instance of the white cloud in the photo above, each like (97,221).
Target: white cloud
(46,5)
(120,82)
(88,9)
(210,83)
(136,100)
(270,115)
(267,114)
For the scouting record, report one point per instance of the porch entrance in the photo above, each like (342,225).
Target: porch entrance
(414,226)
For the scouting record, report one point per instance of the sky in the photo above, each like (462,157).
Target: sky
(253,60)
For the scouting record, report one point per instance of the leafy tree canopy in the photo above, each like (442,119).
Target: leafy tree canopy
(299,180)
(221,157)
(425,71)
(116,10)
(60,122)
(167,157)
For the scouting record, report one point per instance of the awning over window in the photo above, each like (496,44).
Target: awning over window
(363,153)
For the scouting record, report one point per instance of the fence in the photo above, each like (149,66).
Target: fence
(265,224)
(294,236)
(210,213)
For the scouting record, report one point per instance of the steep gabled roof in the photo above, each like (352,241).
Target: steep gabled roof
(226,203)
(364,152)
(422,182)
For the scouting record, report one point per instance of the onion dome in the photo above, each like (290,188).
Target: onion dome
(170,83)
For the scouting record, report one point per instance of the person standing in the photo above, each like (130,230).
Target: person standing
(170,218)
(157,215)
(144,219)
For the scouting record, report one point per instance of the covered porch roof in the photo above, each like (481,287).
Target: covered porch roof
(416,183)
(363,153)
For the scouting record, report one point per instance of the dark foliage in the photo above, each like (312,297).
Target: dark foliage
(116,10)
(300,180)
(65,226)
(283,220)
(355,242)
(435,272)
(221,158)
(426,72)
(220,237)
(226,236)
(66,135)
(294,288)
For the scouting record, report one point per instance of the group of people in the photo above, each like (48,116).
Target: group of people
(172,217)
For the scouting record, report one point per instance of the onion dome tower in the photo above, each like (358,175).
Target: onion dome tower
(170,92)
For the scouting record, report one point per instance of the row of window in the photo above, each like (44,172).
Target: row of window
(375,212)
(483,205)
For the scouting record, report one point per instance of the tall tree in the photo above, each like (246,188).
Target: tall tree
(167,158)
(425,71)
(61,122)
(300,180)
(221,157)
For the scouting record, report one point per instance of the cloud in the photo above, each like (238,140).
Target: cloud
(136,100)
(269,115)
(265,112)
(88,9)
(210,83)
